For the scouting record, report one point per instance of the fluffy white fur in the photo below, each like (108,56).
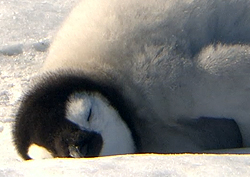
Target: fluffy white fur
(172,58)
(104,120)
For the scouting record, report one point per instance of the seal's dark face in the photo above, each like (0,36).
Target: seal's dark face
(78,143)
(67,120)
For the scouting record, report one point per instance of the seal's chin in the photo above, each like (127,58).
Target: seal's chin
(39,152)
(90,147)
(75,152)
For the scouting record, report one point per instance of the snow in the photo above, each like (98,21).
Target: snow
(27,28)
(130,165)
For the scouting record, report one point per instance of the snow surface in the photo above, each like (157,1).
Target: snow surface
(26,30)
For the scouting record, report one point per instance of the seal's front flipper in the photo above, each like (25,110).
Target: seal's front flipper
(213,133)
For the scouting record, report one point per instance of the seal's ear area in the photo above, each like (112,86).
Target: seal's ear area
(214,133)
(78,143)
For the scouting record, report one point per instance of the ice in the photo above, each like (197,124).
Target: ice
(27,28)
(1,128)
(130,165)
(12,50)
(41,45)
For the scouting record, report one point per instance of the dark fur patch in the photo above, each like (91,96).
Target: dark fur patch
(41,116)
(214,133)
